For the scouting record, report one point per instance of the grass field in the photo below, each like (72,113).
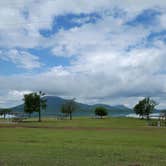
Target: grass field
(82,142)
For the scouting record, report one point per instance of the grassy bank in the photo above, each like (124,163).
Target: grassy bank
(85,141)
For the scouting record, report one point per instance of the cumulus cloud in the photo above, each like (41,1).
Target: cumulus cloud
(163,20)
(11,98)
(112,61)
(21,58)
(21,20)
(98,79)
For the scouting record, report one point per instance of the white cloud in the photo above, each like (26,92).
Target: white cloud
(21,20)
(21,58)
(111,63)
(12,98)
(163,21)
(105,77)
(107,34)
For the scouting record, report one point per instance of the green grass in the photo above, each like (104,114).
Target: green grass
(126,142)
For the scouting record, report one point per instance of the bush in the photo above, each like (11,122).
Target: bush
(101,111)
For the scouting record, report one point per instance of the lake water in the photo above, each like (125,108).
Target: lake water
(8,116)
(152,116)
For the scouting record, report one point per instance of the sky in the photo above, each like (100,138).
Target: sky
(102,51)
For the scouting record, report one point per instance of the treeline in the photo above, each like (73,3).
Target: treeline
(36,101)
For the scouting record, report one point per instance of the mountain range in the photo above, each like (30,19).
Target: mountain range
(54,104)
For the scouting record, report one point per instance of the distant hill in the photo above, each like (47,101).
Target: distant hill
(54,104)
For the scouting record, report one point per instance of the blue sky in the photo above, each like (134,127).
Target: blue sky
(104,51)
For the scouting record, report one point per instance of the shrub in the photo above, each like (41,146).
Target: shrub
(101,111)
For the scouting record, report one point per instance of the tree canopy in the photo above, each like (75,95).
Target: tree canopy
(34,102)
(101,111)
(145,107)
(69,107)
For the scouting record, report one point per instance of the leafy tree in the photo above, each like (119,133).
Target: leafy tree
(69,107)
(145,107)
(101,111)
(139,109)
(29,106)
(34,102)
(5,111)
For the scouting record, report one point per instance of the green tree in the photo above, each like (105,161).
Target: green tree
(69,107)
(34,102)
(101,111)
(145,107)
(29,103)
(139,109)
(5,111)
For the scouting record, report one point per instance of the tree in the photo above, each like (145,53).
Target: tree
(139,109)
(34,102)
(69,107)
(29,106)
(145,107)
(101,111)
(4,112)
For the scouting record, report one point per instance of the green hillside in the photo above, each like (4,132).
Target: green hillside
(54,106)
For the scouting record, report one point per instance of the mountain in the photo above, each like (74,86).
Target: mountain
(54,104)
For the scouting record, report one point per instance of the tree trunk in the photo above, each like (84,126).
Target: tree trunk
(39,116)
(4,116)
(70,114)
(147,117)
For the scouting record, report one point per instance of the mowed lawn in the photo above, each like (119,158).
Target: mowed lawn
(82,142)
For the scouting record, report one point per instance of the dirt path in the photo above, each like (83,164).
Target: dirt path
(147,128)
(56,128)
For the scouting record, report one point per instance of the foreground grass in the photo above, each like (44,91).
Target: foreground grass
(127,142)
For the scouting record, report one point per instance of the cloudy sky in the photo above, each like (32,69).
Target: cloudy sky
(102,51)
